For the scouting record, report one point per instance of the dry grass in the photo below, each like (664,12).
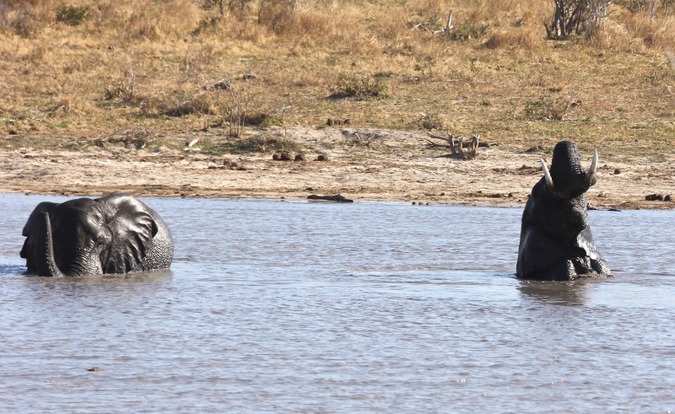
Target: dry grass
(85,67)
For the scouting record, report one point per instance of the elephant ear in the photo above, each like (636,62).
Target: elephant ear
(36,217)
(132,228)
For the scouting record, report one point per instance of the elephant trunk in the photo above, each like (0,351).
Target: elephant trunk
(46,264)
(566,165)
(566,174)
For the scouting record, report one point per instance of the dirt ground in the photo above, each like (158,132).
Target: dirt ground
(363,164)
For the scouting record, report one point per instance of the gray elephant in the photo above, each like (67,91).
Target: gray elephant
(555,237)
(112,234)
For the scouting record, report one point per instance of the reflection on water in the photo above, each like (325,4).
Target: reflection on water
(563,293)
(298,307)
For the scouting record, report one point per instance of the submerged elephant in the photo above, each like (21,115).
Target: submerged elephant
(113,234)
(555,237)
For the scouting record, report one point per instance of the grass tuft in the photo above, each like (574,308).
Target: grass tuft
(359,87)
(260,143)
(72,15)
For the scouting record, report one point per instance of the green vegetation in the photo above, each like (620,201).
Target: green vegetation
(359,87)
(72,15)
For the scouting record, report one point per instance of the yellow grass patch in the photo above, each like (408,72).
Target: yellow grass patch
(86,67)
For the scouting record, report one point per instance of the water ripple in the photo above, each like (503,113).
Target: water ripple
(298,307)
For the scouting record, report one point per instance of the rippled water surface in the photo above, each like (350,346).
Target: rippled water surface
(307,307)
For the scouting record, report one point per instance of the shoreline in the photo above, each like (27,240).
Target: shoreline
(365,165)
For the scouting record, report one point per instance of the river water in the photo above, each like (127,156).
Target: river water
(275,306)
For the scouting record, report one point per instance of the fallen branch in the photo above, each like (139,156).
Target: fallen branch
(461,147)
(444,30)
(338,198)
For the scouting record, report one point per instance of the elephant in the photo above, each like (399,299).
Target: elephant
(112,234)
(555,237)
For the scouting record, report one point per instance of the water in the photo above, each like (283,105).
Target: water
(298,307)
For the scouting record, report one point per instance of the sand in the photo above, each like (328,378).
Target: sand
(363,165)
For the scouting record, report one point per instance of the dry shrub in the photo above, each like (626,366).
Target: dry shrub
(68,106)
(614,36)
(636,33)
(504,13)
(277,15)
(238,7)
(25,18)
(657,32)
(479,12)
(143,20)
(122,94)
(180,102)
(173,18)
(499,19)
(262,143)
(428,11)
(390,26)
(519,39)
(314,24)
(647,6)
(359,87)
(428,121)
(35,55)
(499,40)
(369,36)
(632,22)
(73,15)
(244,31)
(201,103)
(298,51)
(133,19)
(547,108)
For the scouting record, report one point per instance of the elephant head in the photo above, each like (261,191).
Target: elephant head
(555,237)
(112,234)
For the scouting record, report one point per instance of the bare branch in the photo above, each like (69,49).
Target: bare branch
(460,147)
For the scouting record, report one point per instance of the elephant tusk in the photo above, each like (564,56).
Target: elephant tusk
(593,168)
(547,175)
